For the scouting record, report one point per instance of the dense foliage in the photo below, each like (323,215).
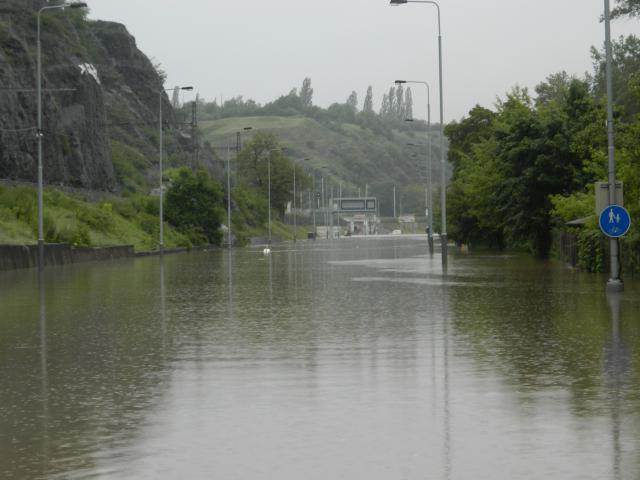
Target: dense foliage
(529,165)
(194,205)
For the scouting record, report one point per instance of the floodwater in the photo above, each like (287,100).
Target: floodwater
(351,359)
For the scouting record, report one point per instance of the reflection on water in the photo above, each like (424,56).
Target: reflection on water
(44,392)
(355,358)
(618,364)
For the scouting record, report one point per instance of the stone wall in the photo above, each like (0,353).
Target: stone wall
(13,257)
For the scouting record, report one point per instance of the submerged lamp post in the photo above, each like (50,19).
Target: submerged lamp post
(429,169)
(160,94)
(278,149)
(443,189)
(39,132)
(295,216)
(238,147)
(615,283)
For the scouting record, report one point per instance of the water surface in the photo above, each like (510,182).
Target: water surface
(348,359)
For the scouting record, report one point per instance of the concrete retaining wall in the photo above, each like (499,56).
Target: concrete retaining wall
(13,257)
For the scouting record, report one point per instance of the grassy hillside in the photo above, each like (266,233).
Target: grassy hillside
(353,155)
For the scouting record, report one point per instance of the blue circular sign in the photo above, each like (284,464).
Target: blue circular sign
(615,221)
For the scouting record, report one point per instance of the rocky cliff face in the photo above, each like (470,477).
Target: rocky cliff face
(113,94)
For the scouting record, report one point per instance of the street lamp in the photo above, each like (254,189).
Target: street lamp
(429,167)
(295,216)
(443,189)
(160,94)
(428,193)
(270,151)
(312,201)
(324,203)
(238,146)
(39,132)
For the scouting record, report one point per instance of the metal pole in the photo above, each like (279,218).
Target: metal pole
(39,132)
(394,201)
(160,168)
(429,173)
(443,187)
(330,212)
(324,213)
(229,198)
(39,136)
(313,209)
(339,206)
(269,177)
(295,220)
(443,164)
(615,283)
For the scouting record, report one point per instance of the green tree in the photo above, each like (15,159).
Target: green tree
(399,107)
(535,154)
(193,205)
(367,107)
(391,113)
(384,107)
(261,154)
(465,134)
(625,73)
(554,88)
(352,102)
(628,8)
(306,93)
(408,104)
(509,164)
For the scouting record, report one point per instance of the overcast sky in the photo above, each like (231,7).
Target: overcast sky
(260,49)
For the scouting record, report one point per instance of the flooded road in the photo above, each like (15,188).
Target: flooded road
(354,359)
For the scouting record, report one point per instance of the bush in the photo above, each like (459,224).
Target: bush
(193,205)
(591,252)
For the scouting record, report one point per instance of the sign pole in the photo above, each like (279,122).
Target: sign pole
(615,283)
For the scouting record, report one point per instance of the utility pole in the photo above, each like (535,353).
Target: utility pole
(615,283)
(229,235)
(194,133)
(295,219)
(394,201)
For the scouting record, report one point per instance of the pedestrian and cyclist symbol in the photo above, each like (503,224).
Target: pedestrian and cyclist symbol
(615,221)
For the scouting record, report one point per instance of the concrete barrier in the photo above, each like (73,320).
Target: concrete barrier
(265,240)
(14,257)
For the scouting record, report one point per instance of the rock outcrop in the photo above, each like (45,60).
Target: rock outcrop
(98,87)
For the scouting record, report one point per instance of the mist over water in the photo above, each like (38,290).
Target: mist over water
(347,359)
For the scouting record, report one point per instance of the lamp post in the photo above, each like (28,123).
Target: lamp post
(39,132)
(615,283)
(429,166)
(324,203)
(312,201)
(295,216)
(270,151)
(443,189)
(160,94)
(269,180)
(238,147)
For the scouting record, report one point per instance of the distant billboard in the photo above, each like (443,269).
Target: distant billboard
(356,205)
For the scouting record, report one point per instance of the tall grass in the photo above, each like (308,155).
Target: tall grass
(70,219)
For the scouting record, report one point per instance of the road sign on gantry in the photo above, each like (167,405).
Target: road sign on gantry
(615,221)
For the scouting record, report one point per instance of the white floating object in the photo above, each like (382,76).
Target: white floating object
(266,251)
